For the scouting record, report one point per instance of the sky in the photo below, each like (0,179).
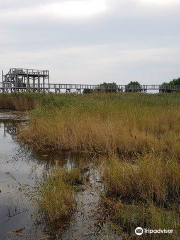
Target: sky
(92,41)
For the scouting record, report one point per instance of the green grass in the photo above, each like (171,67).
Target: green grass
(125,218)
(56,193)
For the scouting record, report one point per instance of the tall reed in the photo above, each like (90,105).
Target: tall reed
(143,194)
(144,128)
(127,124)
(148,179)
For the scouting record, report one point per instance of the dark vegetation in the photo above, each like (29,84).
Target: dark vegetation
(19,101)
(133,87)
(174,82)
(104,88)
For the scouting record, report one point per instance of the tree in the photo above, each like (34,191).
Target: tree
(87,91)
(133,87)
(103,87)
(107,87)
(165,87)
(175,82)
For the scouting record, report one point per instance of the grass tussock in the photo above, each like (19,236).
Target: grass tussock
(126,217)
(145,193)
(148,179)
(56,193)
(127,124)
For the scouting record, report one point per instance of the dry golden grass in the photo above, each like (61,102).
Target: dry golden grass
(127,124)
(145,193)
(149,179)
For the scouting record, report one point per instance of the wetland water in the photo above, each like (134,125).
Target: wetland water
(20,169)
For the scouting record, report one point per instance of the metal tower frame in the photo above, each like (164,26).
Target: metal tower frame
(23,79)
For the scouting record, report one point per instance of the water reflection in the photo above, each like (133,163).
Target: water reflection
(10,128)
(17,166)
(21,167)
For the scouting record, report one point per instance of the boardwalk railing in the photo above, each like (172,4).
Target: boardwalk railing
(23,71)
(58,88)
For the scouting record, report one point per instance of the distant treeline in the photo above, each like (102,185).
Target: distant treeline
(132,86)
(113,87)
(174,82)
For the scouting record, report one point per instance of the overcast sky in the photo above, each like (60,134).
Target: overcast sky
(92,41)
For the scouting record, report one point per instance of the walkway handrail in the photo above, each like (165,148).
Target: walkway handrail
(80,87)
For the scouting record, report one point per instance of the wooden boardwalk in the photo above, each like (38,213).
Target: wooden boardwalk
(80,88)
(34,80)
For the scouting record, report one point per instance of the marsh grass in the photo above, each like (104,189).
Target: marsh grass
(126,217)
(143,128)
(19,101)
(149,179)
(145,193)
(6,102)
(127,124)
(56,193)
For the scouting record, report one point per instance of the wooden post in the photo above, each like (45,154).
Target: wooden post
(27,79)
(43,82)
(38,82)
(33,84)
(48,80)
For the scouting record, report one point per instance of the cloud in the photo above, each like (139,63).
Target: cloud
(96,64)
(54,9)
(102,40)
(160,2)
